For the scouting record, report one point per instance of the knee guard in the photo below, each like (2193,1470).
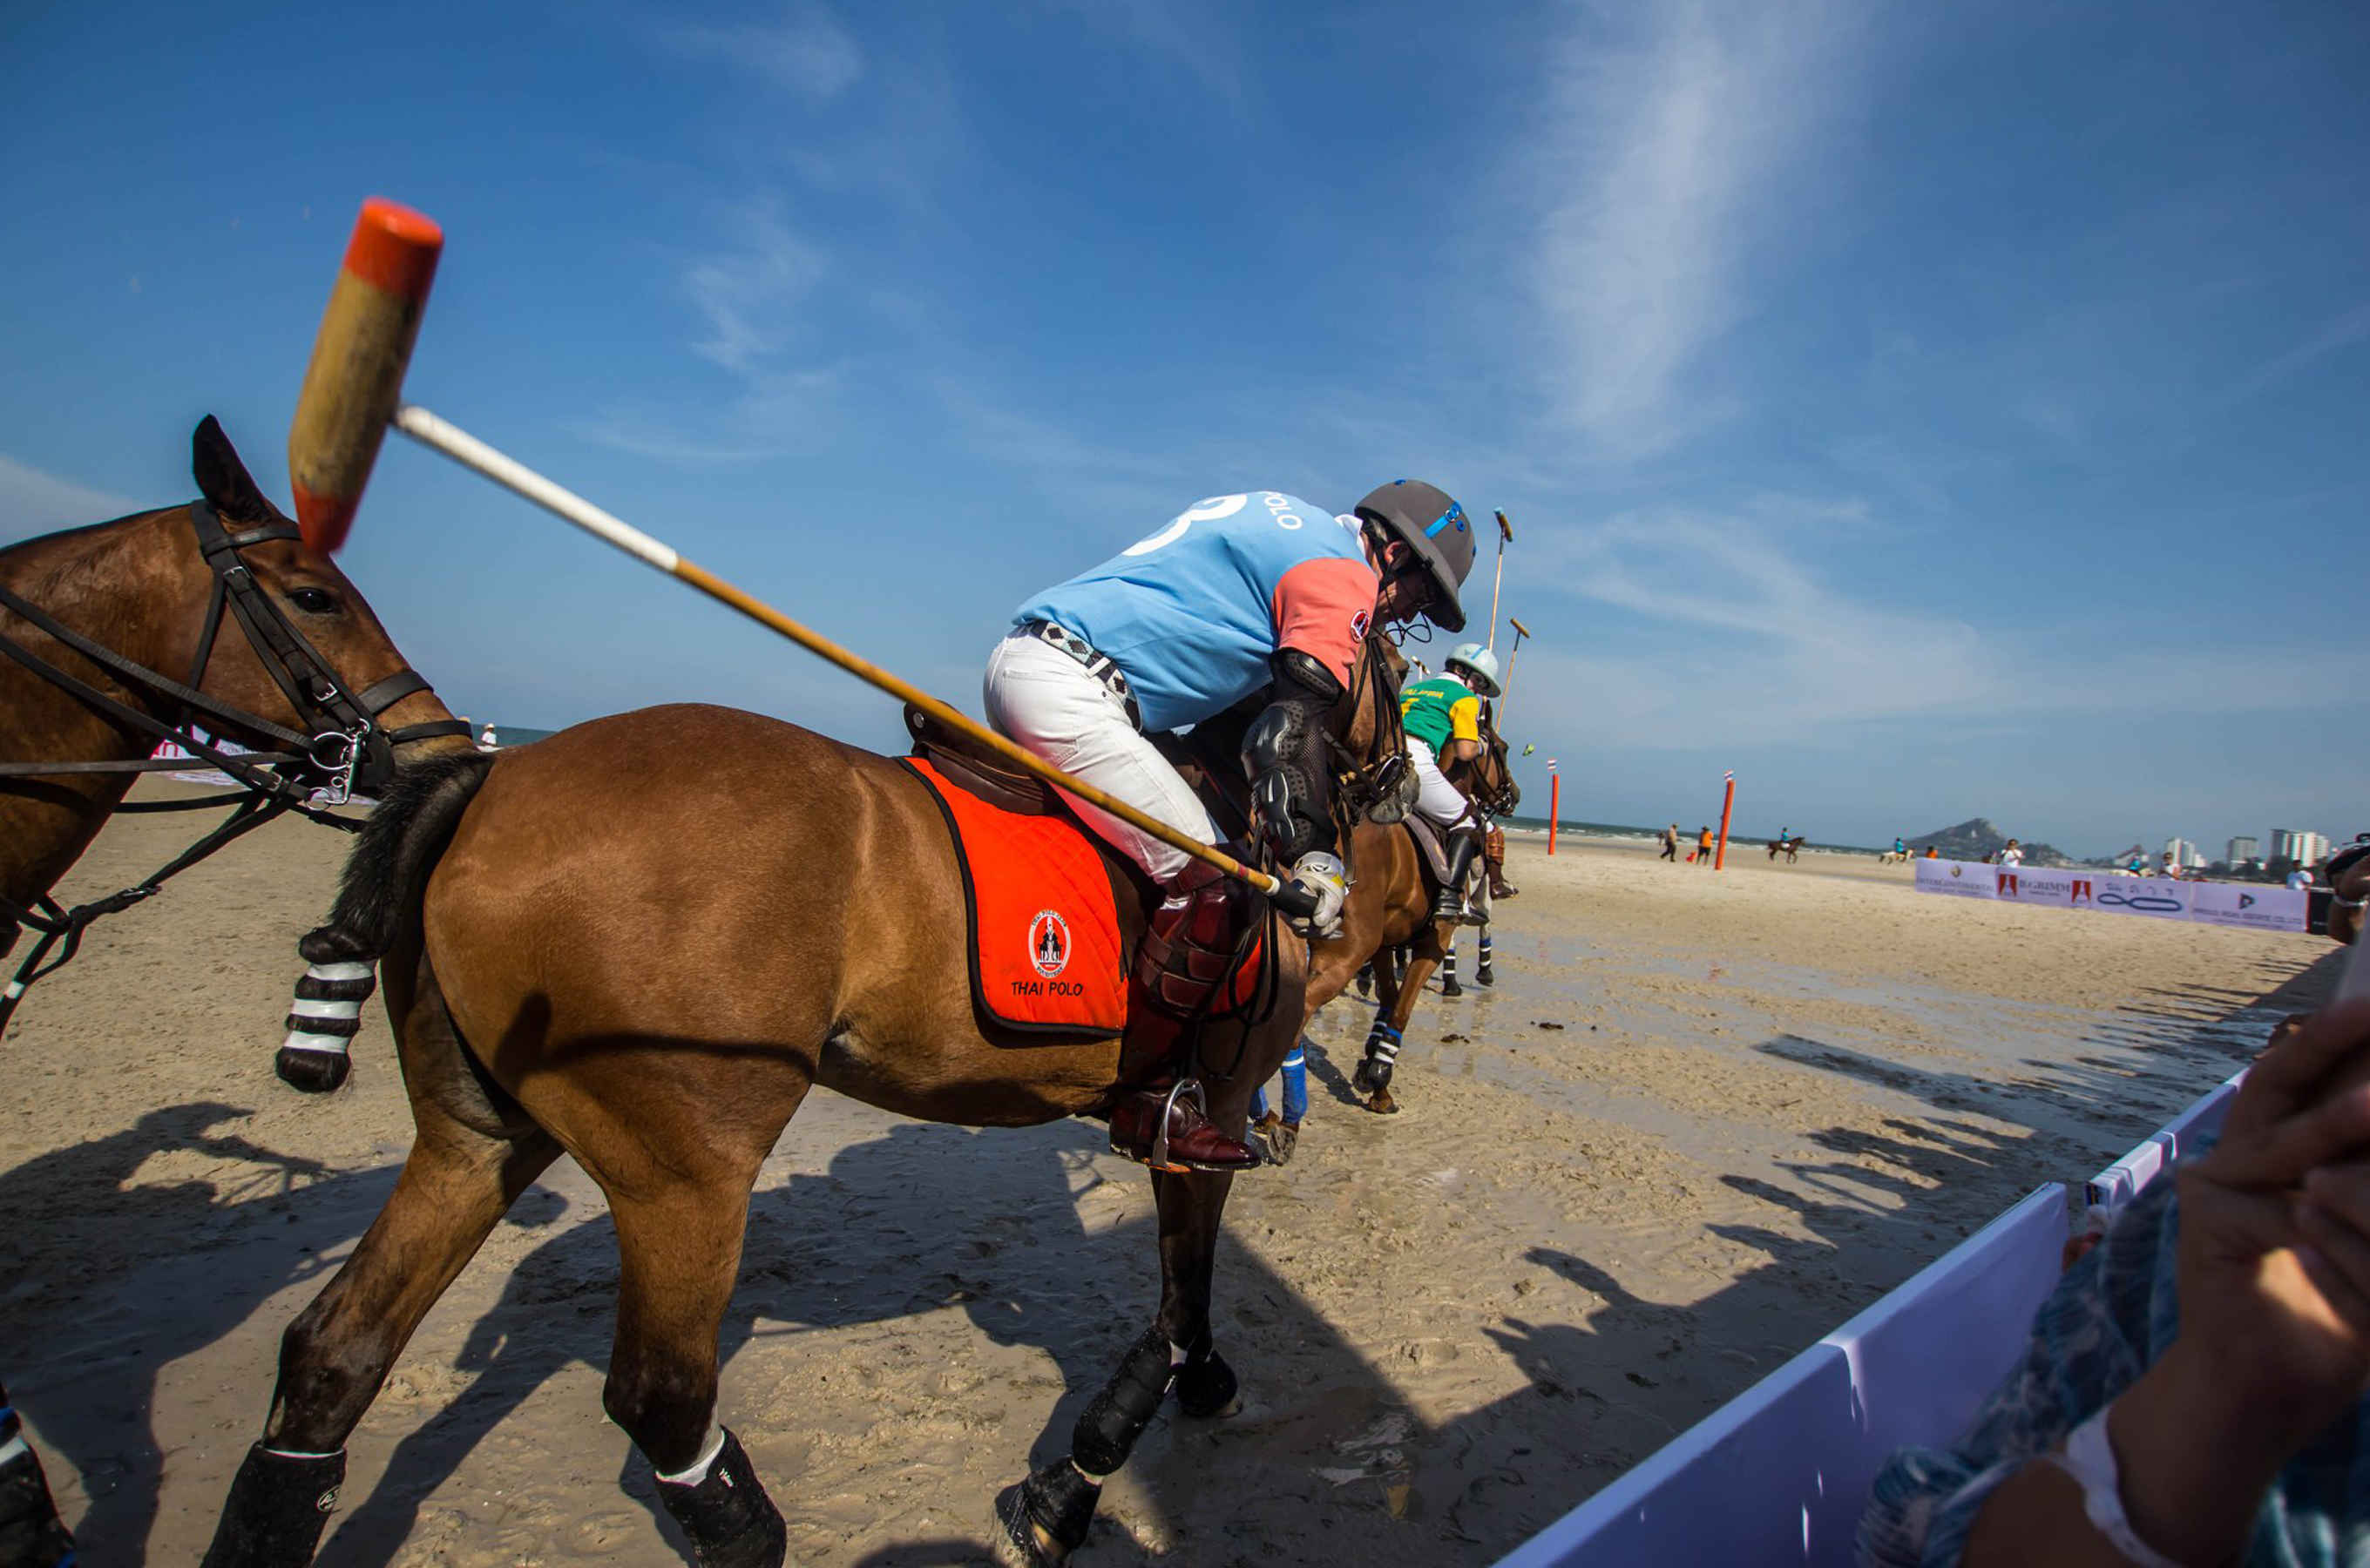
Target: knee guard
(1283,752)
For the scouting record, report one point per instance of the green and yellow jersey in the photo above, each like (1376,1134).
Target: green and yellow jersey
(1439,710)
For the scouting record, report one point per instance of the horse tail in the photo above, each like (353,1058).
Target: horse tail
(378,895)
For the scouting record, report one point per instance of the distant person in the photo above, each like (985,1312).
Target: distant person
(1933,851)
(1785,835)
(485,741)
(1900,848)
(2137,867)
(1671,844)
(2299,878)
(1703,846)
(2013,855)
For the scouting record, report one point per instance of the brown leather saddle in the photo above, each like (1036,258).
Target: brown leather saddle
(965,762)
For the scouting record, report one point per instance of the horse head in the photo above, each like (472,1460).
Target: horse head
(314,658)
(1489,779)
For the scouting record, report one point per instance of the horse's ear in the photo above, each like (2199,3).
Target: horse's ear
(223,479)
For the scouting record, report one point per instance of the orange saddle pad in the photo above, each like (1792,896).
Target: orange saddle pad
(1045,948)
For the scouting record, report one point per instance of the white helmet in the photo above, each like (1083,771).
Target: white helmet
(1479,663)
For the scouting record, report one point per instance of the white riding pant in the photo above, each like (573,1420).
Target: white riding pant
(1041,697)
(1440,801)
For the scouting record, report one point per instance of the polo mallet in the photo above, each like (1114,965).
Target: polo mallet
(1505,537)
(353,392)
(1506,687)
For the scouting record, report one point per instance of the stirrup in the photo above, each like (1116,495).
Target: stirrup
(1126,1132)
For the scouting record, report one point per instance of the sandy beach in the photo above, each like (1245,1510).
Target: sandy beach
(1701,1119)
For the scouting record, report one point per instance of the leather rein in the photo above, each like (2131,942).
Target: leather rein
(345,747)
(1361,786)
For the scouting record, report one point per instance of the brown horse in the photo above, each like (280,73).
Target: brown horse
(641,942)
(90,618)
(1790,848)
(1389,907)
(115,637)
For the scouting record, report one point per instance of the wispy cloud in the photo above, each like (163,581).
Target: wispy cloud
(748,292)
(32,501)
(1664,161)
(807,53)
(2346,330)
(1168,32)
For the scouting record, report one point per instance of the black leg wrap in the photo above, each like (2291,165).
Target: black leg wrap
(730,1521)
(31,1534)
(1108,1431)
(1046,1518)
(1206,1386)
(278,1506)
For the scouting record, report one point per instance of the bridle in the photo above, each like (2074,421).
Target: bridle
(1373,787)
(339,749)
(1502,800)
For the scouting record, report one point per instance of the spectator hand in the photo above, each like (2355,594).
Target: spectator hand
(2274,1263)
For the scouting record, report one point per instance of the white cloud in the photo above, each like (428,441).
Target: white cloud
(749,295)
(1743,643)
(1660,174)
(32,501)
(1163,28)
(807,53)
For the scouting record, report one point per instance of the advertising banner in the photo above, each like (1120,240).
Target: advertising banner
(2257,906)
(2264,909)
(2157,896)
(1958,878)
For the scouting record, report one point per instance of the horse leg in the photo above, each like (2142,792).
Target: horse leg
(680,1253)
(1482,974)
(1373,1078)
(1448,986)
(455,1186)
(1391,1022)
(1046,1518)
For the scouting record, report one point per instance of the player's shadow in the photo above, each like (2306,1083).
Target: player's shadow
(926,1217)
(87,1325)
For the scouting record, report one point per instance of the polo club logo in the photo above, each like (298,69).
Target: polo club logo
(1049,943)
(2246,900)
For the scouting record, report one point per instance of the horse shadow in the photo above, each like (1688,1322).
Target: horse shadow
(82,1322)
(927,1218)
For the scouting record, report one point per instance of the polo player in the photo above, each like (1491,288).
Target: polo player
(1238,595)
(1442,716)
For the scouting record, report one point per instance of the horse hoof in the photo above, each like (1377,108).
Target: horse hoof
(1275,1140)
(730,1520)
(1450,988)
(1362,1081)
(312,1072)
(1044,1519)
(1206,1389)
(1485,978)
(1382,1104)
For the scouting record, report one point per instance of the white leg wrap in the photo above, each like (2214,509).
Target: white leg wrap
(12,1451)
(330,1044)
(339,971)
(698,1468)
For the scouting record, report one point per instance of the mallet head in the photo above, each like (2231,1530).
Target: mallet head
(356,377)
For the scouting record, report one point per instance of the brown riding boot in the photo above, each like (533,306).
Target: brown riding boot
(1493,860)
(1185,959)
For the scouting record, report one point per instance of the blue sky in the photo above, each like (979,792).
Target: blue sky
(1923,411)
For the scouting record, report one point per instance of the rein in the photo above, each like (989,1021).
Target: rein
(1359,787)
(346,746)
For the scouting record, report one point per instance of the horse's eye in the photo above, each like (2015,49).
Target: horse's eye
(313,601)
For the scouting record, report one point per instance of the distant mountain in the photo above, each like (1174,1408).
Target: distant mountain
(1978,838)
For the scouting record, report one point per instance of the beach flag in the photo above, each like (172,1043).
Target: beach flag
(1729,776)
(1551,764)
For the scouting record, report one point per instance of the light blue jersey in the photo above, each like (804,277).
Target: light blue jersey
(1193,614)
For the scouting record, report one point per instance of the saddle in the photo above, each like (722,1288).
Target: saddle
(972,767)
(1435,848)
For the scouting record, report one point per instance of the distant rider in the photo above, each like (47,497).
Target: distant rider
(1238,595)
(1442,716)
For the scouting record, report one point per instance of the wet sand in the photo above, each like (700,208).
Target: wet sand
(1701,1119)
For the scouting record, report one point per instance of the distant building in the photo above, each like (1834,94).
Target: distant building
(2184,854)
(2242,849)
(2299,844)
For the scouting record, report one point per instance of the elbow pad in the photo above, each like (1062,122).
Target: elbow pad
(1283,752)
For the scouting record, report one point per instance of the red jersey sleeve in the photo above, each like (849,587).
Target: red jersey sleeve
(1323,608)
